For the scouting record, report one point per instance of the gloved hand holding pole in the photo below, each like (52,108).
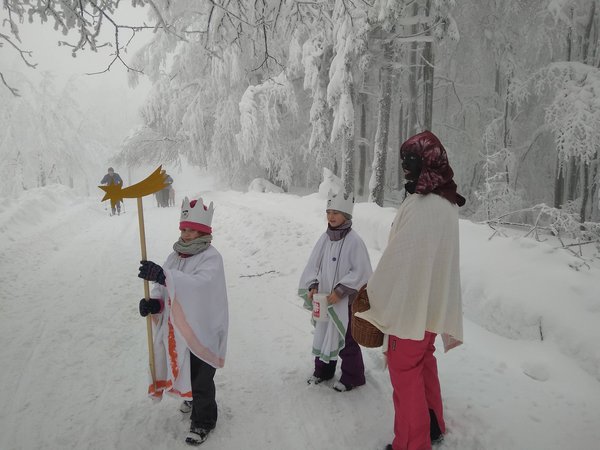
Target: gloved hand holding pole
(115,193)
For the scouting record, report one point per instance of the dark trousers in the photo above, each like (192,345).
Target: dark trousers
(204,405)
(353,367)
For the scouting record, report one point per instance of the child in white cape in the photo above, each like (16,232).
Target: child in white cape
(338,266)
(190,322)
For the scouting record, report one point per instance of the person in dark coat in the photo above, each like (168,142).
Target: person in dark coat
(113,177)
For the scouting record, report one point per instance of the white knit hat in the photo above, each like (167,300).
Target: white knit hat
(341,202)
(195,215)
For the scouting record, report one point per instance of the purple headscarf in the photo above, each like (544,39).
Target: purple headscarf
(436,173)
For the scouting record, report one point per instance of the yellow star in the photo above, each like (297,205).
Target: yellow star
(153,183)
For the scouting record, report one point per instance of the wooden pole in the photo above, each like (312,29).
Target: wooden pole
(146,293)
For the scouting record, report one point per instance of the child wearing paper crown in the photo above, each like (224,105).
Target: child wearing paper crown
(338,266)
(190,319)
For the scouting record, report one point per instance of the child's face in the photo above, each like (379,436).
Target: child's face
(188,234)
(335,218)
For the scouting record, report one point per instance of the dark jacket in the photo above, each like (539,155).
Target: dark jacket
(112,179)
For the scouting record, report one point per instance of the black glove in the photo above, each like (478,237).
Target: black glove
(152,272)
(150,306)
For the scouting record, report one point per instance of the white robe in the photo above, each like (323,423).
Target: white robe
(195,318)
(331,263)
(416,285)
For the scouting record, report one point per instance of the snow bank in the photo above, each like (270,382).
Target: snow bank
(515,287)
(262,185)
(17,216)
(523,289)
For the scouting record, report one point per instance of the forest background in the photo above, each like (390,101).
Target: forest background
(291,91)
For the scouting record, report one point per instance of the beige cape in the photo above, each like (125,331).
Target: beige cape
(416,286)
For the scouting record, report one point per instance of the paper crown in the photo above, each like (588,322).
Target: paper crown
(340,202)
(195,215)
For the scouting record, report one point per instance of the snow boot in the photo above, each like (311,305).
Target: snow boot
(434,429)
(186,406)
(196,436)
(341,387)
(317,380)
(314,380)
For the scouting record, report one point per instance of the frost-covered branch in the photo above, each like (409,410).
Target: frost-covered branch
(554,221)
(13,91)
(24,54)
(87,18)
(267,56)
(574,113)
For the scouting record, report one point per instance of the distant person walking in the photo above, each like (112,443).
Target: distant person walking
(163,195)
(113,177)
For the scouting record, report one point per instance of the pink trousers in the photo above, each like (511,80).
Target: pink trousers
(414,376)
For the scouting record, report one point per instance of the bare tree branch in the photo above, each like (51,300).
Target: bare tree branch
(87,17)
(13,91)
(23,53)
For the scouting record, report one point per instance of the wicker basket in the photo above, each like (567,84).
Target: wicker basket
(363,332)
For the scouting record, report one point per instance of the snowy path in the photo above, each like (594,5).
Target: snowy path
(74,347)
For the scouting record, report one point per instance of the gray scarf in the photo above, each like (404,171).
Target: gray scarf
(193,247)
(335,234)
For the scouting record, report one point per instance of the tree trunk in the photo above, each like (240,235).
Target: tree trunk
(559,186)
(383,125)
(42,174)
(586,58)
(572,173)
(506,125)
(348,149)
(323,120)
(348,158)
(497,84)
(412,83)
(559,192)
(348,164)
(362,146)
(428,87)
(584,191)
(401,139)
(428,69)
(594,191)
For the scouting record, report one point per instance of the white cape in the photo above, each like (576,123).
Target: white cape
(331,263)
(195,318)
(416,285)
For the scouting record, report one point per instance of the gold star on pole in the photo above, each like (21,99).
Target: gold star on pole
(153,183)
(115,193)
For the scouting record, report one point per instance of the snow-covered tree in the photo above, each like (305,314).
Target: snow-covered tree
(205,68)
(43,141)
(573,114)
(280,89)
(317,54)
(261,139)
(404,33)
